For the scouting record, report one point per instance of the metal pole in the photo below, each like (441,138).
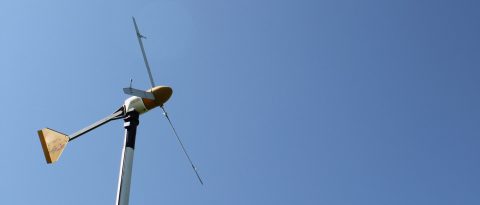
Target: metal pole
(124,178)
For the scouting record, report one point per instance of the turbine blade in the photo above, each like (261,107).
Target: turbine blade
(138,93)
(139,37)
(181,144)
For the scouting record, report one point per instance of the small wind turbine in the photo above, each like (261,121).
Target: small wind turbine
(54,142)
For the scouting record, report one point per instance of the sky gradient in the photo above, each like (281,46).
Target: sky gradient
(278,102)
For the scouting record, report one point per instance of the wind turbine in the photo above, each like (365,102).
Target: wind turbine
(54,142)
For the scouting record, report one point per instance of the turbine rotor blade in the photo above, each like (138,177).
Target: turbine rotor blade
(181,144)
(139,37)
(139,93)
(99,123)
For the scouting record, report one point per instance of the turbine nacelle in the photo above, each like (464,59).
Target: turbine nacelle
(142,104)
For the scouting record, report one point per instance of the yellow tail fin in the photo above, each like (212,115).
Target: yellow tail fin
(53,143)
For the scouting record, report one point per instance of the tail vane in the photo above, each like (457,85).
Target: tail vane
(53,144)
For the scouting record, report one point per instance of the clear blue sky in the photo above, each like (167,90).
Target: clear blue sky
(279,102)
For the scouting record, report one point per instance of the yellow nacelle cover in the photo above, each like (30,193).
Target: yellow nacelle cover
(53,143)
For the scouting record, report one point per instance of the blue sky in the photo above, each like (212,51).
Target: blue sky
(278,102)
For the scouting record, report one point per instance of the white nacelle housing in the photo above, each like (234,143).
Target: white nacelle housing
(135,103)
